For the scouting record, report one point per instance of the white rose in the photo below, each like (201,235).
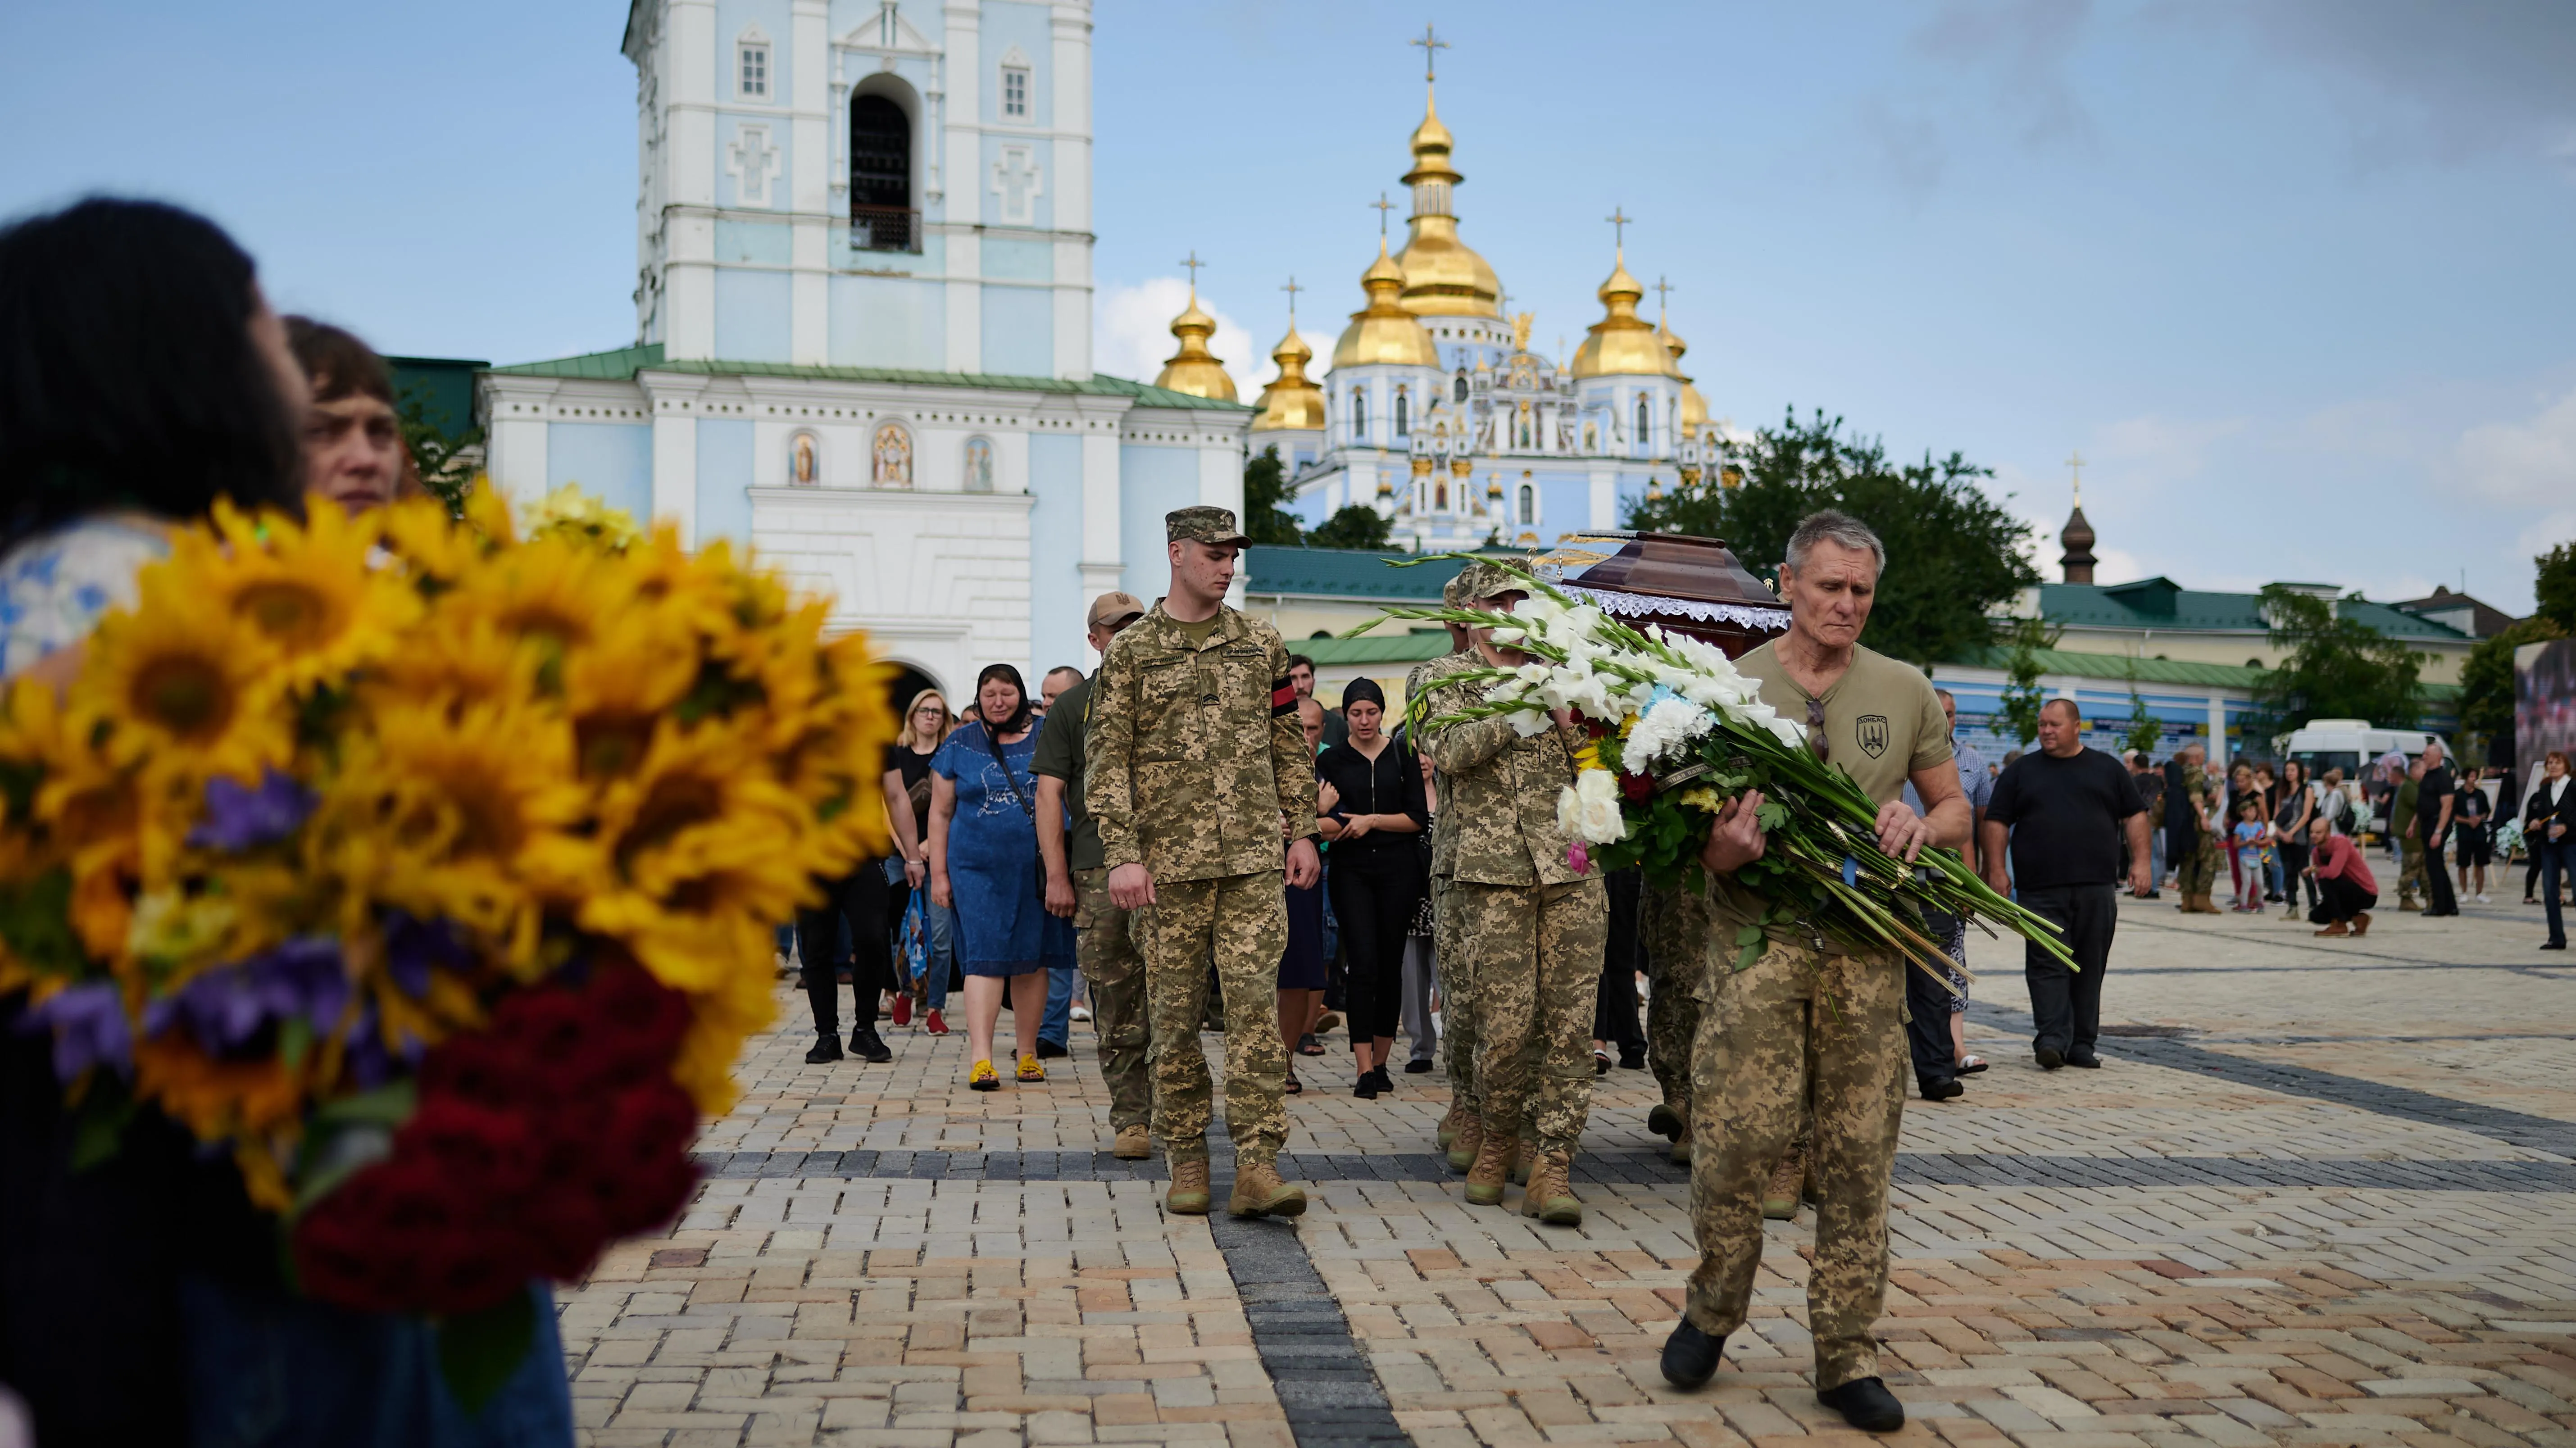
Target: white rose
(1589,809)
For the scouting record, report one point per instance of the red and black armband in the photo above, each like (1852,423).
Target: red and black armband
(1283,698)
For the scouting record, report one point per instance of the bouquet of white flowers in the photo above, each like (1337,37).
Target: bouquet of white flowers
(1676,733)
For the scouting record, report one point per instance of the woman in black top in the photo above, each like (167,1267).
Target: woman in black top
(2295,805)
(1376,834)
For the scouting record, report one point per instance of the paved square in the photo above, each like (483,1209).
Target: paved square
(2323,1192)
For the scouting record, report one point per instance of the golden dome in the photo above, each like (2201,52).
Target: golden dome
(1384,331)
(1194,369)
(1291,403)
(1694,406)
(1622,344)
(1443,276)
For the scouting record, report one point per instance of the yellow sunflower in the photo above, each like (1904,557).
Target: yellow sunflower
(434,547)
(736,1005)
(460,657)
(556,593)
(617,686)
(309,589)
(182,686)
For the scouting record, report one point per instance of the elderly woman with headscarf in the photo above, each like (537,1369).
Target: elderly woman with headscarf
(984,866)
(1376,880)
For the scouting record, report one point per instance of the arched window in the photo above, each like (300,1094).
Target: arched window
(1403,423)
(881,215)
(1645,422)
(1359,415)
(1458,388)
(1529,505)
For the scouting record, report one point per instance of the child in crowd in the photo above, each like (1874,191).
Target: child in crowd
(2253,855)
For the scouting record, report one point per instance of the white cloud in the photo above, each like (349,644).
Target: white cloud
(2148,450)
(2527,463)
(1131,334)
(2548,533)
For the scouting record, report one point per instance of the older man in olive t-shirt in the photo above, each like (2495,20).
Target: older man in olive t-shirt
(1807,1026)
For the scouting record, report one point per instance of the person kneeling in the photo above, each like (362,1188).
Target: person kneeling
(2346,891)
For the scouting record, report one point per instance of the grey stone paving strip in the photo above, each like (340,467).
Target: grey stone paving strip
(2532,1133)
(1325,1384)
(1635,1165)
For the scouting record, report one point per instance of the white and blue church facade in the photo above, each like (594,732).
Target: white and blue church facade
(1436,413)
(863,306)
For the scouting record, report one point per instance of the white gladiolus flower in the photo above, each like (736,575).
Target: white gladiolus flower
(1589,809)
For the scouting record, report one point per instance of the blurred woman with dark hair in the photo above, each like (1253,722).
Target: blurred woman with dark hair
(142,379)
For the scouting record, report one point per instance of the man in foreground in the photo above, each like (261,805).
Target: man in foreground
(2065,810)
(1530,929)
(1193,759)
(1077,889)
(1461,1128)
(1807,1022)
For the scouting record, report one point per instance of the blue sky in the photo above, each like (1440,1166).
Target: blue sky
(2293,277)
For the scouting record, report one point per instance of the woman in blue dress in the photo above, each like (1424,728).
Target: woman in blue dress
(984,866)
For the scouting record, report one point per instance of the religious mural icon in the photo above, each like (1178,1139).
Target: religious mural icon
(804,463)
(1872,729)
(890,460)
(979,465)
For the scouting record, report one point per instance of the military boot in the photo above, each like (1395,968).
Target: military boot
(1524,1158)
(1551,1191)
(1258,1192)
(1780,1197)
(1471,1135)
(1665,1122)
(1135,1143)
(1189,1195)
(1493,1169)
(1449,1124)
(1681,1153)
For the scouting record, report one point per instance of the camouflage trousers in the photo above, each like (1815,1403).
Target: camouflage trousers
(1106,951)
(1242,921)
(2410,873)
(1769,1042)
(1535,952)
(1457,998)
(2197,872)
(1676,926)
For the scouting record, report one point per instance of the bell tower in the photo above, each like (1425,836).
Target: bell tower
(2077,539)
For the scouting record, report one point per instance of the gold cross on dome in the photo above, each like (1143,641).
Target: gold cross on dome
(1661,288)
(2075,465)
(1431,45)
(1619,226)
(1292,289)
(1383,207)
(1193,263)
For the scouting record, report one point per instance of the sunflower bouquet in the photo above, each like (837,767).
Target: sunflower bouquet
(1675,733)
(428,869)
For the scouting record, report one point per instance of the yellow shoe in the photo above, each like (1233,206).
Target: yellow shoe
(1030,1070)
(984,1077)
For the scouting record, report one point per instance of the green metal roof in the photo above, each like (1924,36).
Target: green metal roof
(1403,648)
(2078,664)
(2167,607)
(623,363)
(1362,575)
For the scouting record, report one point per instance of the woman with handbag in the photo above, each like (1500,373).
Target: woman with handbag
(984,865)
(926,725)
(2295,807)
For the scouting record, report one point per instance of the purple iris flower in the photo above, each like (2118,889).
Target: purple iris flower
(414,945)
(225,1007)
(239,817)
(89,1026)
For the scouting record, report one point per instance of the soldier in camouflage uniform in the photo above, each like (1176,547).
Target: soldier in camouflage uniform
(1458,1131)
(1529,928)
(1077,888)
(1193,761)
(1676,927)
(1793,1021)
(2197,872)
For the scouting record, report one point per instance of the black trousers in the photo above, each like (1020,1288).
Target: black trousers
(1614,1006)
(2437,879)
(2340,900)
(2066,1006)
(2294,860)
(1928,1004)
(1374,896)
(859,901)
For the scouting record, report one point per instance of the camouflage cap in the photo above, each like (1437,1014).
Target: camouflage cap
(1206,525)
(1486,579)
(1452,594)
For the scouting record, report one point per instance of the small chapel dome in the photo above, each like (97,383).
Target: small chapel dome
(1622,344)
(1194,369)
(1291,403)
(1384,331)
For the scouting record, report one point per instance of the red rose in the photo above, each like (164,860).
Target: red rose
(1636,787)
(491,1152)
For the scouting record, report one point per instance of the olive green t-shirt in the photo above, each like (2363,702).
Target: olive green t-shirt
(1059,756)
(1197,633)
(1882,720)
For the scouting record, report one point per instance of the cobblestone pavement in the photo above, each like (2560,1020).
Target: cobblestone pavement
(2323,1192)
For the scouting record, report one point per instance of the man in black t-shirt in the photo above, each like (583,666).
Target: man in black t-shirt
(2065,809)
(2435,801)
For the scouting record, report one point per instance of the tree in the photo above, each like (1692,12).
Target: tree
(1953,554)
(2023,698)
(1355,525)
(2333,667)
(1265,489)
(445,457)
(2145,730)
(2554,591)
(2486,680)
